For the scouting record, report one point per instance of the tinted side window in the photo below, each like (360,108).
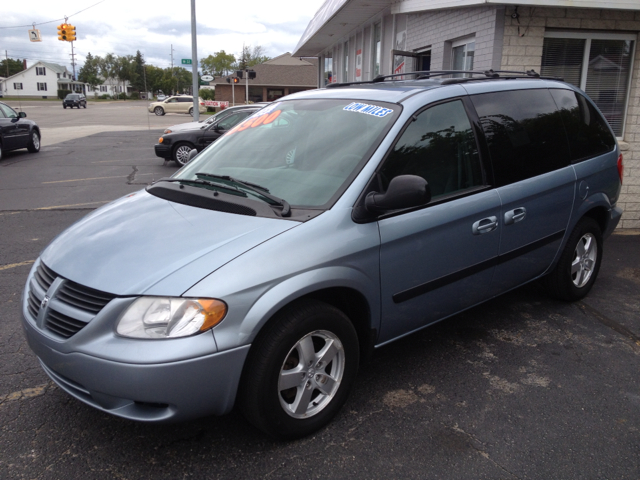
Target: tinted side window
(440,147)
(587,131)
(233,120)
(524,132)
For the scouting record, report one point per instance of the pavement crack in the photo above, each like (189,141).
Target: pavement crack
(132,176)
(478,445)
(608,322)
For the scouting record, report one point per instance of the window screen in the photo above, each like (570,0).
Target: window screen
(587,131)
(524,132)
(440,147)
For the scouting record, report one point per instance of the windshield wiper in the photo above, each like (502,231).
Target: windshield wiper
(198,181)
(254,187)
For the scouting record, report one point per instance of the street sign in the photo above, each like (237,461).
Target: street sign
(186,61)
(206,78)
(34,35)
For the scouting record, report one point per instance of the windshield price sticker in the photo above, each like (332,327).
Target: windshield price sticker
(265,118)
(374,110)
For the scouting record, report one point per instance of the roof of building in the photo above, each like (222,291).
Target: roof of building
(283,70)
(54,67)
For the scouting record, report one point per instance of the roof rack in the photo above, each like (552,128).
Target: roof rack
(473,75)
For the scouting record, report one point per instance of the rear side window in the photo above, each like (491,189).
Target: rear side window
(588,133)
(524,132)
(439,146)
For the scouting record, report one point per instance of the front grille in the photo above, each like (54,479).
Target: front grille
(44,276)
(87,302)
(61,324)
(84,298)
(33,304)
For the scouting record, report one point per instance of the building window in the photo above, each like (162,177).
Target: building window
(274,94)
(42,87)
(345,60)
(328,70)
(462,53)
(40,71)
(377,39)
(17,86)
(598,63)
(103,88)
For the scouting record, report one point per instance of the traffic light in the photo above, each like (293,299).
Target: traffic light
(228,80)
(71,33)
(239,74)
(62,32)
(252,74)
(236,80)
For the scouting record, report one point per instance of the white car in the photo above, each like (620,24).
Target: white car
(176,104)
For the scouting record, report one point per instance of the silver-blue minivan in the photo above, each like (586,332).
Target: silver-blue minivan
(327,224)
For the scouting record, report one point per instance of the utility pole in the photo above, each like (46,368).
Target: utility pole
(194,64)
(73,62)
(7,62)
(144,74)
(172,62)
(246,82)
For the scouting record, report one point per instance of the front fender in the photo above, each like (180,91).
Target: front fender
(271,300)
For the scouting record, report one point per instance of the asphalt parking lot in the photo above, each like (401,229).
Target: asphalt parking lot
(521,387)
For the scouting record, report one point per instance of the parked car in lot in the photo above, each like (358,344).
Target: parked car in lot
(176,104)
(213,118)
(331,222)
(74,100)
(176,145)
(16,131)
(160,97)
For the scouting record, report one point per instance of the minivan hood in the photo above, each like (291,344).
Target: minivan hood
(142,244)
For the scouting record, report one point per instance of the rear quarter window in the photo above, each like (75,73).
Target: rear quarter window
(587,131)
(524,133)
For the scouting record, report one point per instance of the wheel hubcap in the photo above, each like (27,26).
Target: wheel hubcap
(182,154)
(36,141)
(311,374)
(584,260)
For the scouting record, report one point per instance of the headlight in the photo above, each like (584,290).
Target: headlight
(166,317)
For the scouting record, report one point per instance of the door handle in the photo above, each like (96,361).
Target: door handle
(485,225)
(514,216)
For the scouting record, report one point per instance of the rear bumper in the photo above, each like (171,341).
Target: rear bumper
(163,151)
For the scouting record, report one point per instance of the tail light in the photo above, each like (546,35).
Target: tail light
(202,103)
(620,167)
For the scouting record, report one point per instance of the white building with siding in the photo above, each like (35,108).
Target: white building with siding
(42,80)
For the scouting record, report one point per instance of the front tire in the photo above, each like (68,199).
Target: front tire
(579,263)
(64,106)
(34,142)
(158,111)
(300,370)
(181,153)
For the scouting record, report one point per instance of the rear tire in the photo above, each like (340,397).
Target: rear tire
(34,142)
(300,370)
(191,111)
(579,263)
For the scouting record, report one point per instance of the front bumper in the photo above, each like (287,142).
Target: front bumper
(160,392)
(163,151)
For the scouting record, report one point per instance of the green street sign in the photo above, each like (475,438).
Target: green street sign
(186,61)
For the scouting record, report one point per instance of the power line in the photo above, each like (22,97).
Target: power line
(57,20)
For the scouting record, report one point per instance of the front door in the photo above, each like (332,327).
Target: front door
(440,259)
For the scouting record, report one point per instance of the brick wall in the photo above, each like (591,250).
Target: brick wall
(437,29)
(522,50)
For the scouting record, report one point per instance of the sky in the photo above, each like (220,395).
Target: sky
(124,26)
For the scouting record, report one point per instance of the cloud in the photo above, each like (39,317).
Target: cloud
(122,27)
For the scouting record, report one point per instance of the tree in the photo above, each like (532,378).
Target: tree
(90,72)
(15,66)
(139,65)
(218,64)
(251,56)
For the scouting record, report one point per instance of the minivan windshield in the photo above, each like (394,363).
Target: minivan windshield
(302,151)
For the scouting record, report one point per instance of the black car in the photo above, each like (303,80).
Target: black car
(16,132)
(177,145)
(74,100)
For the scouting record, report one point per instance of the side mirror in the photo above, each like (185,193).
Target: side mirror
(22,114)
(192,154)
(405,191)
